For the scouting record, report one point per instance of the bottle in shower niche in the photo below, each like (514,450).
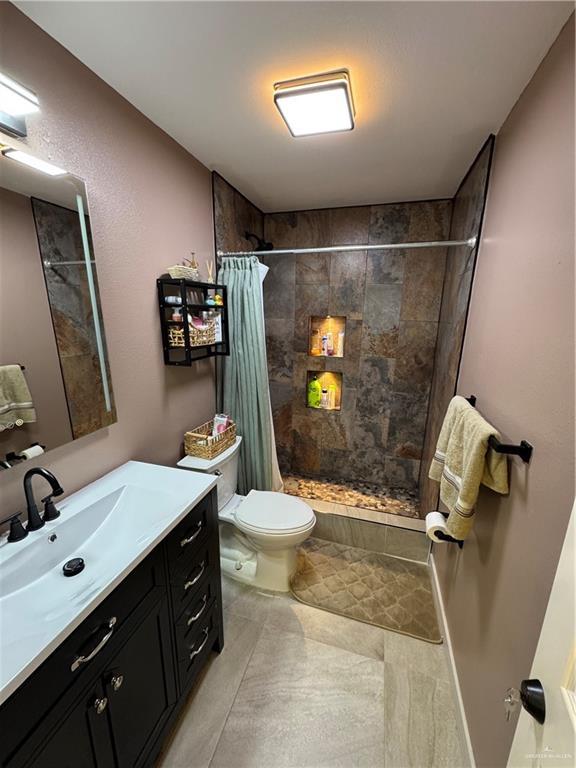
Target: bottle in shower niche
(316,346)
(332,397)
(314,394)
(325,399)
(329,343)
(325,345)
(340,344)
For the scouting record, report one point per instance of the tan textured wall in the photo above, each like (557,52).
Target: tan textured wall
(150,205)
(26,332)
(519,360)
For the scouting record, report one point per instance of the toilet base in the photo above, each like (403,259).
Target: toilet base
(240,560)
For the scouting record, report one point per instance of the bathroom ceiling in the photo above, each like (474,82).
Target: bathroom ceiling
(431,80)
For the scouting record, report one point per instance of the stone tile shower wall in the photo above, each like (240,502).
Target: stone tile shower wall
(233,216)
(468,209)
(391,301)
(405,322)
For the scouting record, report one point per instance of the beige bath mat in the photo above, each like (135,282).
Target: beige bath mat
(368,586)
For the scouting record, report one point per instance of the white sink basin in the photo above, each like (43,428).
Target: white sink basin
(112,524)
(99,533)
(22,566)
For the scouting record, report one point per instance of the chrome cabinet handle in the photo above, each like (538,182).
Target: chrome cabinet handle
(79,660)
(196,578)
(202,644)
(196,616)
(190,539)
(116,682)
(100,705)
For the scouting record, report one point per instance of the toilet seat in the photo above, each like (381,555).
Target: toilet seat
(274,514)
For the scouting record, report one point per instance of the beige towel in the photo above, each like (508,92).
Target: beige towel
(16,406)
(462,461)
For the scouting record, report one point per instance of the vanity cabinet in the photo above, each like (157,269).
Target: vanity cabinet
(140,688)
(107,696)
(83,738)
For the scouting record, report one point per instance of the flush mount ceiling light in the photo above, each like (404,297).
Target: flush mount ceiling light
(316,104)
(33,162)
(16,102)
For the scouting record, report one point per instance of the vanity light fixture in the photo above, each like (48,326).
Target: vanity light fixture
(33,162)
(16,102)
(316,104)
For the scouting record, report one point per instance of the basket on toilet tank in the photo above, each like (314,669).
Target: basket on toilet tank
(201,443)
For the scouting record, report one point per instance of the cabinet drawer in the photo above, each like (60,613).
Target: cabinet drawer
(186,584)
(188,535)
(97,637)
(192,653)
(195,612)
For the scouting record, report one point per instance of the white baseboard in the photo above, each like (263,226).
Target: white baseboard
(452,664)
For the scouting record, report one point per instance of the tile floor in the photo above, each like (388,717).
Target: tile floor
(297,687)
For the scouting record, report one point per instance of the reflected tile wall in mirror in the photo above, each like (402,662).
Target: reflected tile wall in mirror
(50,317)
(60,240)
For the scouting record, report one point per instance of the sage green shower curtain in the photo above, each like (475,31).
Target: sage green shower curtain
(246,395)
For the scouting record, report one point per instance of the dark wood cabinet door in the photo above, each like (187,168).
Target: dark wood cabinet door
(141,690)
(83,738)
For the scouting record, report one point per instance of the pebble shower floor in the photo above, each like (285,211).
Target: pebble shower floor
(354,494)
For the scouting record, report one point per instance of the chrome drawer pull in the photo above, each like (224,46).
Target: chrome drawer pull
(116,682)
(190,539)
(202,644)
(100,705)
(196,578)
(196,616)
(79,660)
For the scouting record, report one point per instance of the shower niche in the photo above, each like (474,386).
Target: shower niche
(326,336)
(324,390)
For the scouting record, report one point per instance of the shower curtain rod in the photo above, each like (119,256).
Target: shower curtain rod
(470,243)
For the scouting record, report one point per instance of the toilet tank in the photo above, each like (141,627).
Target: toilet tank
(225,466)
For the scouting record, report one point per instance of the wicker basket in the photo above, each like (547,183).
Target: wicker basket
(179,271)
(176,336)
(199,337)
(203,445)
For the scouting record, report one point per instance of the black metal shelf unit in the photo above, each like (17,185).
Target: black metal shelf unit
(191,298)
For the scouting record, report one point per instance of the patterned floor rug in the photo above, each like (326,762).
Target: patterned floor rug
(354,494)
(367,586)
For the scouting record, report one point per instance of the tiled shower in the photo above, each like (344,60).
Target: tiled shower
(404,314)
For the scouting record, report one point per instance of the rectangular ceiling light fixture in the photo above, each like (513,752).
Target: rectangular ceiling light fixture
(16,102)
(316,104)
(33,162)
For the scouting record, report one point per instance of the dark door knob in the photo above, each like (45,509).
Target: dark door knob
(532,698)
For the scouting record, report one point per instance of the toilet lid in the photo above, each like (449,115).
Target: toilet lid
(272,512)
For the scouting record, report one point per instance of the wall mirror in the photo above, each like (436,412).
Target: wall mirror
(55,383)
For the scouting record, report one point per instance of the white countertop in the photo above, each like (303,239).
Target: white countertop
(131,510)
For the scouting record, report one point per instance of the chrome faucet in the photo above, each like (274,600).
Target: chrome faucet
(50,512)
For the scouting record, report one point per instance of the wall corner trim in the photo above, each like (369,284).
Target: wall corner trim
(463,724)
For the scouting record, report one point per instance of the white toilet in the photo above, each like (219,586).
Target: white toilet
(259,533)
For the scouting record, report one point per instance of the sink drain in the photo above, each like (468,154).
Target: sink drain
(73,567)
